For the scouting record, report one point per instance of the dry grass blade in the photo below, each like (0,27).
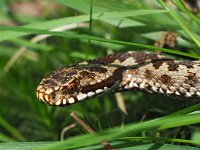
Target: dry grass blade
(65,130)
(82,123)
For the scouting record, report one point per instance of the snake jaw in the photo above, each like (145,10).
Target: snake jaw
(58,95)
(64,94)
(44,94)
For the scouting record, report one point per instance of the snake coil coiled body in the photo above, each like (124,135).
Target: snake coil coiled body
(121,71)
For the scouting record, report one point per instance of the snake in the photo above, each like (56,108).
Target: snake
(118,72)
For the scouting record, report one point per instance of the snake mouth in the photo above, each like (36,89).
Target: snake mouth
(51,100)
(45,95)
(50,97)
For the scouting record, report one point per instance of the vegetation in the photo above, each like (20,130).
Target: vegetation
(76,30)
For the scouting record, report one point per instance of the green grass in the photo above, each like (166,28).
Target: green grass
(153,121)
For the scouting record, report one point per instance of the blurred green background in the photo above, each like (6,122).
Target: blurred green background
(24,60)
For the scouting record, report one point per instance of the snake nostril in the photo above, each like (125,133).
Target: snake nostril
(53,95)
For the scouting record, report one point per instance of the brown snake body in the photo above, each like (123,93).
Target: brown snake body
(119,72)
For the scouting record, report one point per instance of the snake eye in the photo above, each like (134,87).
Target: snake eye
(71,87)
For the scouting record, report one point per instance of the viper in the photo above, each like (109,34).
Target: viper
(132,70)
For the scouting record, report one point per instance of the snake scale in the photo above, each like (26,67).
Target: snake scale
(120,72)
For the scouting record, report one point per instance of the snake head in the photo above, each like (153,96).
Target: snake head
(58,87)
(75,83)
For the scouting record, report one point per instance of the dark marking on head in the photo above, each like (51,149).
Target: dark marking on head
(49,81)
(94,68)
(165,79)
(97,69)
(69,71)
(60,76)
(87,74)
